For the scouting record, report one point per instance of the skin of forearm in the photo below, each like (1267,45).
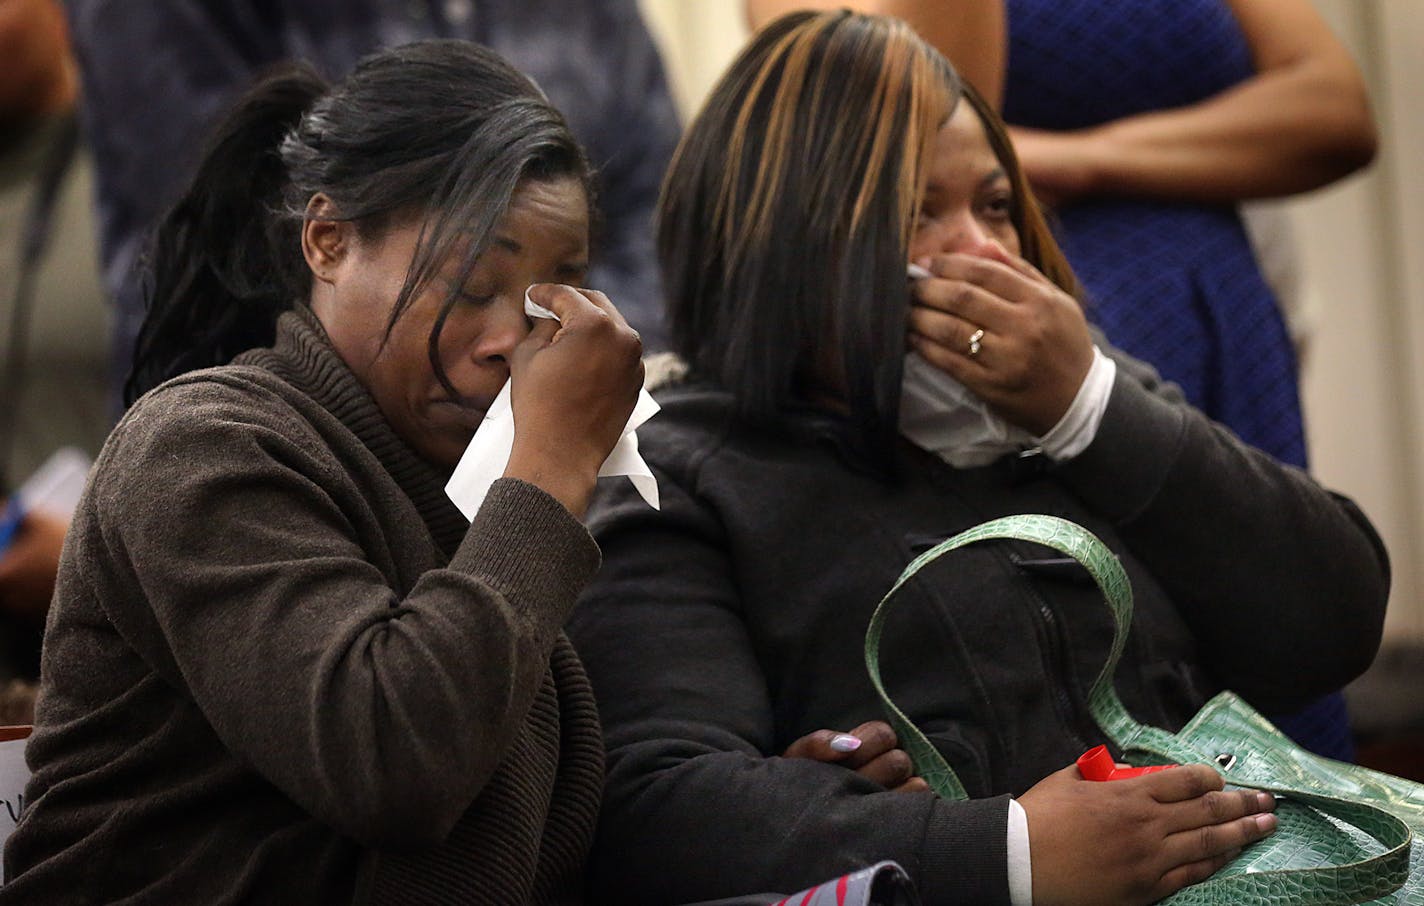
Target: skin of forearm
(1285,131)
(573,487)
(972,35)
(37,75)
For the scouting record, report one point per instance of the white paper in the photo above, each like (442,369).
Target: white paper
(14,774)
(487,456)
(57,484)
(941,415)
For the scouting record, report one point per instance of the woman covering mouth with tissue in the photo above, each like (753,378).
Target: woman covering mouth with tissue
(281,666)
(838,418)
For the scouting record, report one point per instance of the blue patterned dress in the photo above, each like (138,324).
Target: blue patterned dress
(1174,284)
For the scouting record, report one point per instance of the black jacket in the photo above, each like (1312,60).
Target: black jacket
(724,627)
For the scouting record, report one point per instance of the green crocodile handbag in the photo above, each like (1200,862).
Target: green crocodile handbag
(1345,833)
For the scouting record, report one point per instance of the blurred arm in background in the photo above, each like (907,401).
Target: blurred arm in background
(37,73)
(1301,122)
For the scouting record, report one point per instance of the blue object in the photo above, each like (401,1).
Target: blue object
(1174,284)
(10,522)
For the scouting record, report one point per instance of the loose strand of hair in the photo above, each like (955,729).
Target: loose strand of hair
(476,194)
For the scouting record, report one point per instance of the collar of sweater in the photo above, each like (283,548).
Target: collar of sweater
(303,356)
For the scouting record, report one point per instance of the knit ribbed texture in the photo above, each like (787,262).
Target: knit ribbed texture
(951,831)
(282,667)
(486,860)
(303,356)
(525,838)
(569,827)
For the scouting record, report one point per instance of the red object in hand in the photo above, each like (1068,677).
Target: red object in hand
(1097,764)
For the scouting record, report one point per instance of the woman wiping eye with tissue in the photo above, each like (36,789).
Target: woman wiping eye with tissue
(490,451)
(281,665)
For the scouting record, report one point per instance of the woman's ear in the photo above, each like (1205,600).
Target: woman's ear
(326,240)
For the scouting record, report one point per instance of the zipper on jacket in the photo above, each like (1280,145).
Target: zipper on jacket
(1056,664)
(1054,660)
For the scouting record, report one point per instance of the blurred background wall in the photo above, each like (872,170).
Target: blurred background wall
(66,400)
(1364,298)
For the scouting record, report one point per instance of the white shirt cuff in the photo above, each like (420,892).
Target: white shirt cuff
(1020,870)
(1079,425)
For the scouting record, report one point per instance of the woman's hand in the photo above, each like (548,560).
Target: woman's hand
(29,567)
(870,750)
(1136,840)
(1034,351)
(575,382)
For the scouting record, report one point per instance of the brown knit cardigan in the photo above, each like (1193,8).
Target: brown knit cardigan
(281,668)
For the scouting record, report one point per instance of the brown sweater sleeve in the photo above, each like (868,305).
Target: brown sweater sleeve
(246,571)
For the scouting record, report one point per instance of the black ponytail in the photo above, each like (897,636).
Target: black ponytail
(442,130)
(226,260)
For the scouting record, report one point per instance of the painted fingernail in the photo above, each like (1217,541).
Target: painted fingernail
(1266,823)
(844,742)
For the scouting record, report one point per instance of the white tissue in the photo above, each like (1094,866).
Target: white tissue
(939,414)
(487,456)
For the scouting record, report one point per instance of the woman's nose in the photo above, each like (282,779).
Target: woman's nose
(961,233)
(504,327)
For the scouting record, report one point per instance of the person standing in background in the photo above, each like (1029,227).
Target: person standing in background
(1145,124)
(157,74)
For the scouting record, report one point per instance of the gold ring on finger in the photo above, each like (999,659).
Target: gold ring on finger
(975,341)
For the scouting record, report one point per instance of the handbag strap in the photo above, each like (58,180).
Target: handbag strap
(1072,540)
(1370,878)
(1061,535)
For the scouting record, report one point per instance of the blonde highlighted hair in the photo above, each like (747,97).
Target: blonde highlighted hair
(787,212)
(784,113)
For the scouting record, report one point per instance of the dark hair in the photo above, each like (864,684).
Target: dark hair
(443,130)
(786,216)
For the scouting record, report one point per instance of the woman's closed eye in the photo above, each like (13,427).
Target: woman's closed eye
(571,274)
(475,297)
